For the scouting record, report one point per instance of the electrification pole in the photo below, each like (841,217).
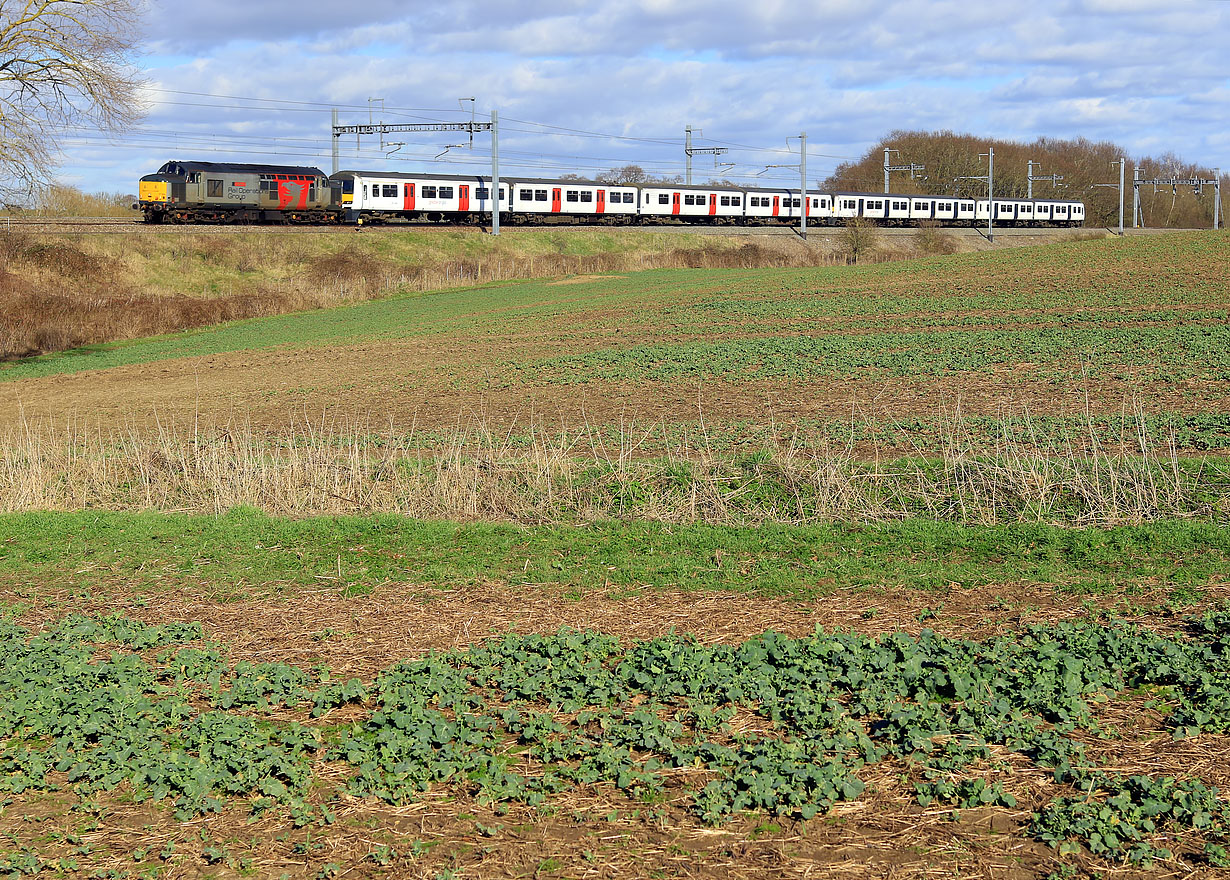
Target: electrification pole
(990,192)
(1029,176)
(687,150)
(1216,198)
(1122,166)
(495,173)
(990,154)
(1136,197)
(803,184)
(335,153)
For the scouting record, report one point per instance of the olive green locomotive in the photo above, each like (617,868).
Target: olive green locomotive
(223,192)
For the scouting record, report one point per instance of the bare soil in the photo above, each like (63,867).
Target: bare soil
(414,384)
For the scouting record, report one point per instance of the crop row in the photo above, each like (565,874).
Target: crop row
(1170,352)
(521,718)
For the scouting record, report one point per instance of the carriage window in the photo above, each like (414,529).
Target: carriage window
(214,188)
(446,192)
(664,199)
(587,196)
(570,195)
(540,195)
(428,192)
(526,195)
(390,192)
(482,193)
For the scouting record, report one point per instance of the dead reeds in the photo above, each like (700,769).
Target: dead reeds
(539,474)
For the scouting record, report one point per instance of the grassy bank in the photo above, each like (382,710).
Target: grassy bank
(246,553)
(64,291)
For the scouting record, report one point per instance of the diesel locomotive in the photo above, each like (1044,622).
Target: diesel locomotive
(224,192)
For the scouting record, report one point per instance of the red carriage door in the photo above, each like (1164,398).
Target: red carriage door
(777,206)
(408,197)
(601,201)
(555,201)
(712,204)
(463,197)
(675,203)
(807,206)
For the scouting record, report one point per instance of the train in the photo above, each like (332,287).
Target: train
(221,192)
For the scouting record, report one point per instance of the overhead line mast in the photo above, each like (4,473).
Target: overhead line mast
(913,167)
(383,128)
(690,151)
(1196,183)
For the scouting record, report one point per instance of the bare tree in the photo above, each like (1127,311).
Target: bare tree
(63,63)
(626,174)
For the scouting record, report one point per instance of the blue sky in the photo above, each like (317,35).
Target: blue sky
(585,86)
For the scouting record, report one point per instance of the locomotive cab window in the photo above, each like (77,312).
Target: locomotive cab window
(214,186)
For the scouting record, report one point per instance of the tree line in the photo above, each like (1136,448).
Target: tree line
(1083,164)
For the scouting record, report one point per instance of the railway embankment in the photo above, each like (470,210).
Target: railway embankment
(73,282)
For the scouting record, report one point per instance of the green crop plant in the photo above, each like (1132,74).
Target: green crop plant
(521,718)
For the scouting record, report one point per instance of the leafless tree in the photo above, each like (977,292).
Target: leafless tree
(63,64)
(626,174)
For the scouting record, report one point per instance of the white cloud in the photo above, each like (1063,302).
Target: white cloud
(1140,72)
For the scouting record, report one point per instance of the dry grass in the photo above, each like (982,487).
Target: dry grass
(932,239)
(550,475)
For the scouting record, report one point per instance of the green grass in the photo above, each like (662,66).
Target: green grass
(246,553)
(1152,305)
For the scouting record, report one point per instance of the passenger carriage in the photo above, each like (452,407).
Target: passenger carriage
(537,199)
(692,203)
(379,196)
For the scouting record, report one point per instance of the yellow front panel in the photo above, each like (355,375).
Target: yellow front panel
(153,191)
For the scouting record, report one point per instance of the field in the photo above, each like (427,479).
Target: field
(910,569)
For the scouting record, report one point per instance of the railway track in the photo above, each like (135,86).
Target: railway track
(123,225)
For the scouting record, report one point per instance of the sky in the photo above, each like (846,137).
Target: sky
(586,86)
